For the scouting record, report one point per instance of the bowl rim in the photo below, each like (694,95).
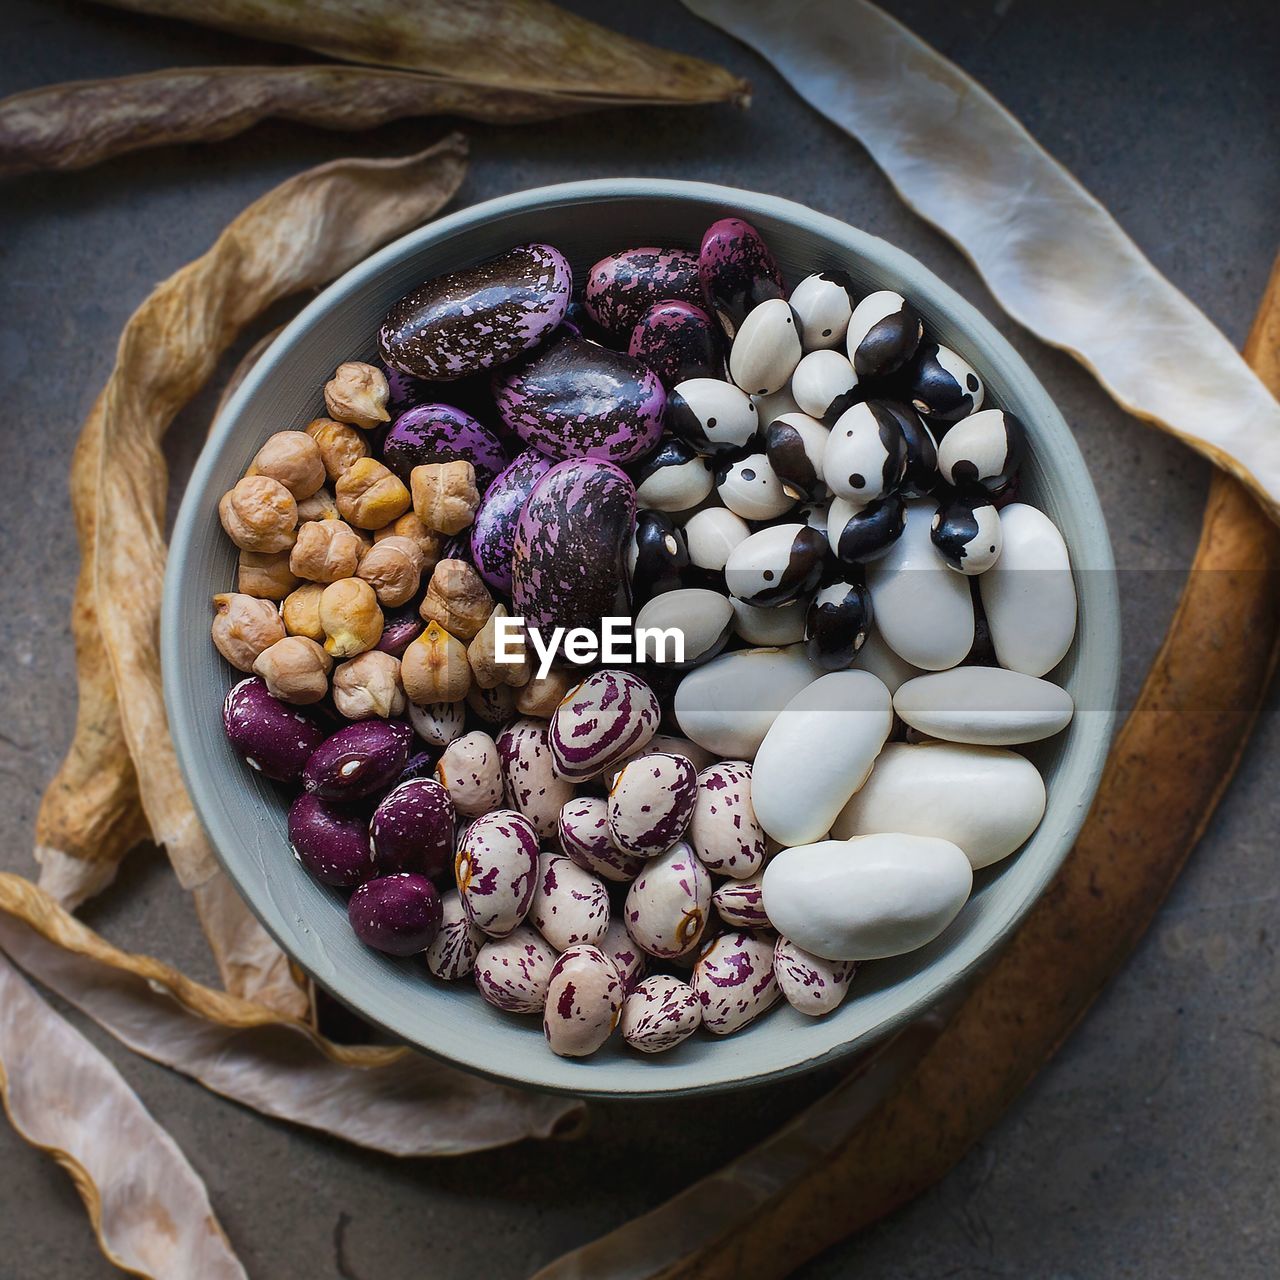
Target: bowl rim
(1091,733)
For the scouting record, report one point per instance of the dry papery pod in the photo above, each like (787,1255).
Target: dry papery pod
(1052,256)
(844,1163)
(338,213)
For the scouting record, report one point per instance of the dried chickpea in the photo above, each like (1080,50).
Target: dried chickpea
(265,574)
(325,551)
(259,514)
(293,458)
(358,393)
(320,506)
(434,668)
(301,612)
(341,446)
(243,626)
(369,685)
(393,568)
(457,599)
(350,617)
(370,495)
(487,671)
(543,694)
(445,496)
(295,670)
(409,526)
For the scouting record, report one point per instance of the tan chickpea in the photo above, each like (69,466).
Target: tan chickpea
(370,495)
(369,685)
(358,393)
(543,694)
(265,574)
(409,526)
(393,568)
(243,626)
(326,550)
(295,669)
(434,668)
(293,458)
(350,617)
(320,506)
(457,599)
(301,612)
(445,496)
(259,514)
(341,446)
(482,655)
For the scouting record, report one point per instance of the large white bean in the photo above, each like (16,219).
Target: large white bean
(985,705)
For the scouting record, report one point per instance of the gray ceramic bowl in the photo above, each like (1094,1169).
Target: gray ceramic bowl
(245,817)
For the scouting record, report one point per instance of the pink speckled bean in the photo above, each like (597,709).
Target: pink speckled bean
(512,973)
(496,868)
(584,1002)
(734,981)
(660,1013)
(650,803)
(740,904)
(627,958)
(611,714)
(452,954)
(811,985)
(583,831)
(471,771)
(667,904)
(723,829)
(569,905)
(531,784)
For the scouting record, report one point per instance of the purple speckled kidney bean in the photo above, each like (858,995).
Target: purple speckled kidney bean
(569,905)
(582,829)
(399,914)
(331,841)
(471,772)
(452,955)
(532,786)
(723,829)
(442,433)
(496,869)
(412,829)
(399,630)
(608,716)
(623,286)
(734,981)
(650,802)
(740,904)
(811,985)
(737,271)
(678,340)
(569,562)
(584,1002)
(479,317)
(667,904)
(358,760)
(574,399)
(659,1013)
(493,532)
(512,973)
(275,739)
(630,962)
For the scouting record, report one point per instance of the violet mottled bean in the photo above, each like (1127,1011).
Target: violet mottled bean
(399,914)
(442,433)
(452,955)
(610,715)
(623,286)
(734,981)
(584,1002)
(630,962)
(659,1013)
(399,630)
(275,739)
(496,869)
(651,801)
(569,905)
(512,973)
(358,760)
(737,271)
(740,904)
(678,340)
(331,841)
(811,984)
(412,829)
(493,532)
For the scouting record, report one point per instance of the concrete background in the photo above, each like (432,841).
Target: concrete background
(1149,1147)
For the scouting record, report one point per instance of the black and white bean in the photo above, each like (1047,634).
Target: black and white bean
(866,456)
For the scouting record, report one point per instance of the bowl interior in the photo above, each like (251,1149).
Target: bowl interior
(245,816)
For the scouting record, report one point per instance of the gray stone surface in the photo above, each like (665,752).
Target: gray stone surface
(1148,1148)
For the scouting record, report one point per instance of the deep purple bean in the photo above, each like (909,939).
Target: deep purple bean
(274,738)
(412,829)
(399,914)
(331,841)
(358,760)
(399,630)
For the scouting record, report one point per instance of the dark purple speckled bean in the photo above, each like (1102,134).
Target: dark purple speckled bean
(493,532)
(623,286)
(399,630)
(330,840)
(651,801)
(569,562)
(475,319)
(737,271)
(574,399)
(404,391)
(275,739)
(608,716)
(399,914)
(442,433)
(660,1013)
(412,829)
(678,340)
(358,760)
